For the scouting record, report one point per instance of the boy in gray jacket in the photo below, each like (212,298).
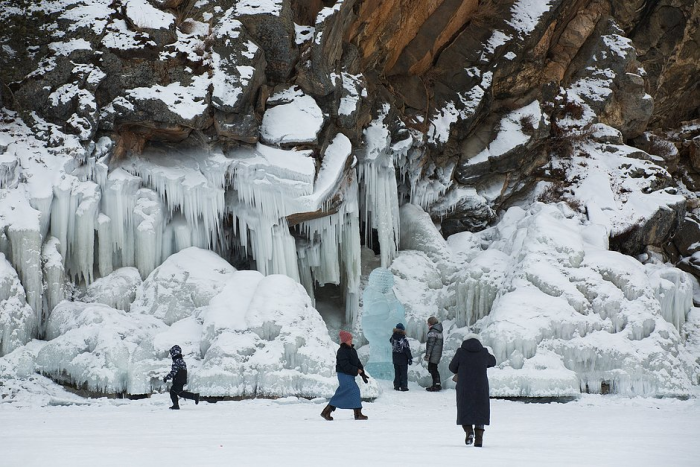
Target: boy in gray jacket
(433,352)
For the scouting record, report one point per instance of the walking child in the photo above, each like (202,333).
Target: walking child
(178,373)
(401,357)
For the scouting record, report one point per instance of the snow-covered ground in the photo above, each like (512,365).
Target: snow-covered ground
(412,428)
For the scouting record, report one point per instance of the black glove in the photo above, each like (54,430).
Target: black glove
(165,380)
(410,362)
(364,378)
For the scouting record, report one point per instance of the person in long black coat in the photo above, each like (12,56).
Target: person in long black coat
(473,406)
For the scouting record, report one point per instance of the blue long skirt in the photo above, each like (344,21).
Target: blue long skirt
(347,396)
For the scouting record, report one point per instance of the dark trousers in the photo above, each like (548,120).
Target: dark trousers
(433,370)
(176,391)
(400,375)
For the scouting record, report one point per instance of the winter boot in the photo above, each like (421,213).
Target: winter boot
(359,415)
(327,412)
(479,439)
(174,407)
(469,438)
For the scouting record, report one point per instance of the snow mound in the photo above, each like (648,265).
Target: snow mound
(117,290)
(184,282)
(90,345)
(262,337)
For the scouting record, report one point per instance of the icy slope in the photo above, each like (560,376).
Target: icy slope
(561,313)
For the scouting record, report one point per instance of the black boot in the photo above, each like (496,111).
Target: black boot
(469,438)
(174,407)
(327,412)
(359,415)
(479,439)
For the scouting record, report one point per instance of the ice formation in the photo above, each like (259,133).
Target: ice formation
(18,322)
(562,315)
(379,204)
(380,313)
(90,345)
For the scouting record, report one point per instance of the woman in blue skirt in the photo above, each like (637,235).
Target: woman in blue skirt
(347,365)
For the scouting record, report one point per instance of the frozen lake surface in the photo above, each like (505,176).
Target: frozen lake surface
(412,428)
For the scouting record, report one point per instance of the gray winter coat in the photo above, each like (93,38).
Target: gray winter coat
(470,364)
(433,346)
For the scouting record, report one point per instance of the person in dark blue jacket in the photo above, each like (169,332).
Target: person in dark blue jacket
(347,366)
(178,373)
(473,405)
(401,357)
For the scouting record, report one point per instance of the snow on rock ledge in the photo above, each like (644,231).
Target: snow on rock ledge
(297,121)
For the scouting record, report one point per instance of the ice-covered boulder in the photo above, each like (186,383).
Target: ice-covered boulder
(117,290)
(184,282)
(91,345)
(263,337)
(18,322)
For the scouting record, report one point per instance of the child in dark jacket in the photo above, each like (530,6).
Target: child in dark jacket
(178,373)
(401,357)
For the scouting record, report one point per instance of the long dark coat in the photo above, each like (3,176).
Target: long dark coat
(470,364)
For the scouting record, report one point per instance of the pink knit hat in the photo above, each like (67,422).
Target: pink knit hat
(344,336)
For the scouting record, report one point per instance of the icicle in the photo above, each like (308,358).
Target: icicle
(380,204)
(54,279)
(104,242)
(148,232)
(118,202)
(61,211)
(85,197)
(18,322)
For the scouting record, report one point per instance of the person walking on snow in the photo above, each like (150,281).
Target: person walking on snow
(401,357)
(473,405)
(347,366)
(433,352)
(178,373)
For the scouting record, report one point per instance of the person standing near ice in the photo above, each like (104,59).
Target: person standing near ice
(347,366)
(433,352)
(401,357)
(178,373)
(473,405)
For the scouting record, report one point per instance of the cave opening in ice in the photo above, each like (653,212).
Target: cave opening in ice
(330,303)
